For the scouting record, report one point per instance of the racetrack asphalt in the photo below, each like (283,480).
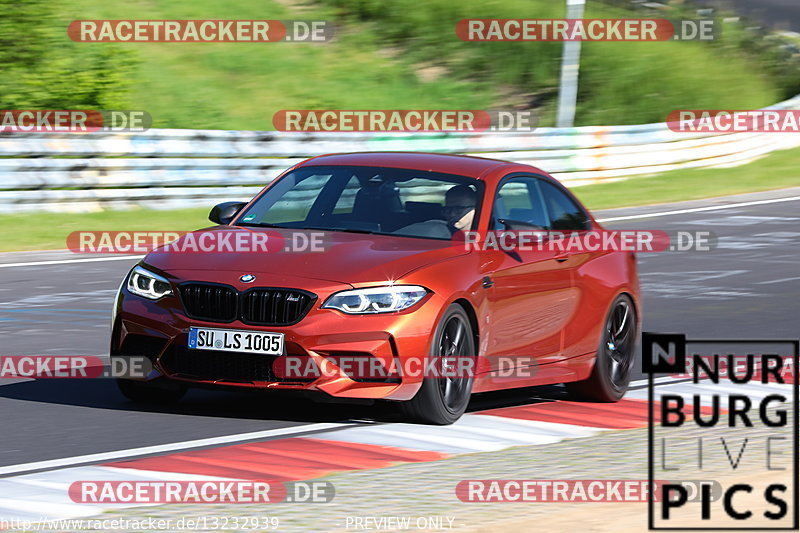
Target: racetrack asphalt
(746,288)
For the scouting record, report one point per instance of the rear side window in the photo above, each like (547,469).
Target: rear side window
(518,201)
(563,212)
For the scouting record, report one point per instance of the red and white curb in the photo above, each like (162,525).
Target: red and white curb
(44,495)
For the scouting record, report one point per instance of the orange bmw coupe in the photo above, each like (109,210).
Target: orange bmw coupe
(409,264)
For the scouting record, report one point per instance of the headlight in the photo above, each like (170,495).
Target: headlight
(376,299)
(148,285)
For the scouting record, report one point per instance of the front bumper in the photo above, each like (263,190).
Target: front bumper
(159,330)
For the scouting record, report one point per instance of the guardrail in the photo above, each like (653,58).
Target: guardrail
(183,168)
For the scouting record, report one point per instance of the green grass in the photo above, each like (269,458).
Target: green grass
(775,171)
(382,47)
(778,170)
(620,82)
(49,231)
(242,85)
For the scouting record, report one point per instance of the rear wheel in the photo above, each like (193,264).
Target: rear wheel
(442,400)
(611,374)
(161,392)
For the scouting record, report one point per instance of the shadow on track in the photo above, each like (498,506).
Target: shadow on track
(252,405)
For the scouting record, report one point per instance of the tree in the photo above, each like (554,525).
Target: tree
(41,68)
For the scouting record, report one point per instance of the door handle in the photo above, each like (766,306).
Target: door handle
(562,258)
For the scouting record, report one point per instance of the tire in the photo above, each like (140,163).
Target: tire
(442,400)
(158,392)
(611,374)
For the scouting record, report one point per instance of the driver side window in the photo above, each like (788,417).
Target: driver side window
(518,203)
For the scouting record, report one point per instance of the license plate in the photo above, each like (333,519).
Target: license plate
(233,340)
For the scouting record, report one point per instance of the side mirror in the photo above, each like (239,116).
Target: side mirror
(223,213)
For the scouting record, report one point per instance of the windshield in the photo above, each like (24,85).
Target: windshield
(386,201)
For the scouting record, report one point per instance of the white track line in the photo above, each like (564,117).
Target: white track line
(68,261)
(700,209)
(662,379)
(147,450)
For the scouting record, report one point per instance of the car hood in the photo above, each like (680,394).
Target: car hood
(341,257)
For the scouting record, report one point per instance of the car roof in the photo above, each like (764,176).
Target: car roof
(463,165)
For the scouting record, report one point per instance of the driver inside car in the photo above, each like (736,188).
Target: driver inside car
(459,211)
(459,207)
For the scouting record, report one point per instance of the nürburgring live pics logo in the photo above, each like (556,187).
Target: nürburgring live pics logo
(729,412)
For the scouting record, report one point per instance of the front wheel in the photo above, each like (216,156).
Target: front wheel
(611,374)
(442,400)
